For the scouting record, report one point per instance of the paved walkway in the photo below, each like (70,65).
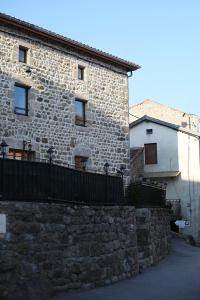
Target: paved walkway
(177,277)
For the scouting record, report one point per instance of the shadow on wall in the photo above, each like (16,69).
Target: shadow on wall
(54,248)
(51,122)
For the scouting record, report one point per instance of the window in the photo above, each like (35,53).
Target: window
(81,72)
(80,162)
(150,154)
(20,154)
(80,112)
(23,54)
(21,100)
(149,131)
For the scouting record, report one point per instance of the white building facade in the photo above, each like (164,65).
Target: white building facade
(172,155)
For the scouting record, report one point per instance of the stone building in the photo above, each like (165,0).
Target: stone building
(164,113)
(57,92)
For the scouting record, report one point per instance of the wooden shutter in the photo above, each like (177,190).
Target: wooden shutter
(20,154)
(150,153)
(80,162)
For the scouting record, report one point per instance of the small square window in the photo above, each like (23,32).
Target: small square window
(21,100)
(80,112)
(149,131)
(23,54)
(81,70)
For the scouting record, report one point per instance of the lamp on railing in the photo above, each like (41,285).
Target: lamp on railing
(106,167)
(121,171)
(3,148)
(50,152)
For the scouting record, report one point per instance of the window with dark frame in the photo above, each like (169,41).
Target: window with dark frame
(150,153)
(80,163)
(21,100)
(149,131)
(81,72)
(80,112)
(19,154)
(23,54)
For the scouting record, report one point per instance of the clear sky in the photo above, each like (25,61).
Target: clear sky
(161,36)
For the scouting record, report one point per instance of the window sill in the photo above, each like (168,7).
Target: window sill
(21,117)
(25,115)
(82,128)
(81,125)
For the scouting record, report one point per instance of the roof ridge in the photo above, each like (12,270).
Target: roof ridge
(149,100)
(164,123)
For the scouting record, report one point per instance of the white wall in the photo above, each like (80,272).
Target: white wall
(189,182)
(167,145)
(177,151)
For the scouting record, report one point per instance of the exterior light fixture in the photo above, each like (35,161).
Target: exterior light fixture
(121,171)
(28,70)
(29,145)
(106,166)
(50,152)
(3,148)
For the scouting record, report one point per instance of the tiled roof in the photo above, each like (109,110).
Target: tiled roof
(163,123)
(53,37)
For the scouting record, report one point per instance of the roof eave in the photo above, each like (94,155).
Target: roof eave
(125,65)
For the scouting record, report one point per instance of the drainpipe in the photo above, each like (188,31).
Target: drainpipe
(130,74)
(189,187)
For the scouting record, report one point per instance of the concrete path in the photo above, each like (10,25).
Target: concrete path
(177,277)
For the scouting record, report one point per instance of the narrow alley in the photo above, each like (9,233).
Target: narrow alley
(176,277)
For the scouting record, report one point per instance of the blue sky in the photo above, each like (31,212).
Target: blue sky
(161,36)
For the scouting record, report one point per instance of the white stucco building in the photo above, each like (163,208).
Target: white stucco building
(172,155)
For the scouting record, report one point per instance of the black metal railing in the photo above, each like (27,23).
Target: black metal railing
(141,194)
(40,181)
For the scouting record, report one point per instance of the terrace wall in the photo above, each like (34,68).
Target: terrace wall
(53,247)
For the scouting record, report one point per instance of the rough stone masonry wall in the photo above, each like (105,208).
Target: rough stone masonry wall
(165,113)
(137,167)
(54,85)
(52,247)
(153,235)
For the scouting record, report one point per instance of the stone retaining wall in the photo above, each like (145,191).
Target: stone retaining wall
(153,235)
(52,247)
(62,247)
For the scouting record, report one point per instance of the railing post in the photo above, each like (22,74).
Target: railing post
(106,167)
(2,179)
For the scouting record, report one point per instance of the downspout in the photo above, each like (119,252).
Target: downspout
(189,187)
(130,74)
